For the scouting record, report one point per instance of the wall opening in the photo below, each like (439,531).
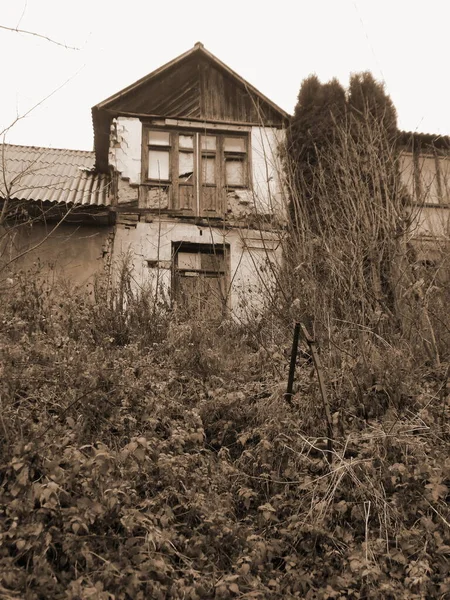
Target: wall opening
(200,280)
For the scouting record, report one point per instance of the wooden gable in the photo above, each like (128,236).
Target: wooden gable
(223,98)
(195,86)
(174,92)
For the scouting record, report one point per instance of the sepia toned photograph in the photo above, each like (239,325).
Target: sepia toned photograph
(224,300)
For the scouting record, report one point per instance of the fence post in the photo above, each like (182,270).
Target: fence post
(323,392)
(288,395)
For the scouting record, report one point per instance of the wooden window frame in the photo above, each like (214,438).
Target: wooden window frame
(207,153)
(238,155)
(221,250)
(147,147)
(220,154)
(176,181)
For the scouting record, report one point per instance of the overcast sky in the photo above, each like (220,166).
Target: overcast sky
(274,45)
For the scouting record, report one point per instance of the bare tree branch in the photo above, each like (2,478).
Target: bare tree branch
(23,13)
(39,35)
(25,114)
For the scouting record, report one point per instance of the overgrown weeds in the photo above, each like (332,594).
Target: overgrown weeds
(160,460)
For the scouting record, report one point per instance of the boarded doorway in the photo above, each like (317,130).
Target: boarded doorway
(200,280)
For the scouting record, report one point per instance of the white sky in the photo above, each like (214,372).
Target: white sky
(273,45)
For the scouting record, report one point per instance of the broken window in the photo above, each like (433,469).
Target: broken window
(186,166)
(235,161)
(159,155)
(198,166)
(199,286)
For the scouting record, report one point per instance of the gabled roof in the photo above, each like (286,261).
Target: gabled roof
(198,50)
(29,173)
(196,86)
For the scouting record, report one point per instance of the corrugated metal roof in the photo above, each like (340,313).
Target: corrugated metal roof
(416,140)
(52,175)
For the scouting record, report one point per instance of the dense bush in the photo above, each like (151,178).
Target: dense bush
(145,458)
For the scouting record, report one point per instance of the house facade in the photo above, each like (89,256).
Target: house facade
(194,152)
(190,161)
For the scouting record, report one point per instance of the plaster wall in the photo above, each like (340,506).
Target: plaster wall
(71,252)
(252,256)
(126,147)
(406,166)
(265,197)
(267,170)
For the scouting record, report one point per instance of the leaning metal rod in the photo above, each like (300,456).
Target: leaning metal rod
(288,395)
(323,392)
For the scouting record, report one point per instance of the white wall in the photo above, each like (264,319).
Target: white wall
(251,276)
(431,221)
(126,147)
(266,195)
(267,170)
(433,173)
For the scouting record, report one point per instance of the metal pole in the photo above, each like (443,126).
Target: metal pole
(288,395)
(323,391)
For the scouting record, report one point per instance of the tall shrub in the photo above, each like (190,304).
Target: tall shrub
(347,203)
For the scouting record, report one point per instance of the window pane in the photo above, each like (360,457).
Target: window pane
(186,166)
(186,141)
(190,261)
(234,172)
(158,164)
(209,169)
(208,142)
(159,138)
(213,262)
(234,144)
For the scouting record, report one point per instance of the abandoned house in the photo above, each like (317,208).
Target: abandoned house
(184,183)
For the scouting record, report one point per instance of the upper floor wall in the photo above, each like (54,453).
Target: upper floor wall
(195,86)
(193,139)
(190,169)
